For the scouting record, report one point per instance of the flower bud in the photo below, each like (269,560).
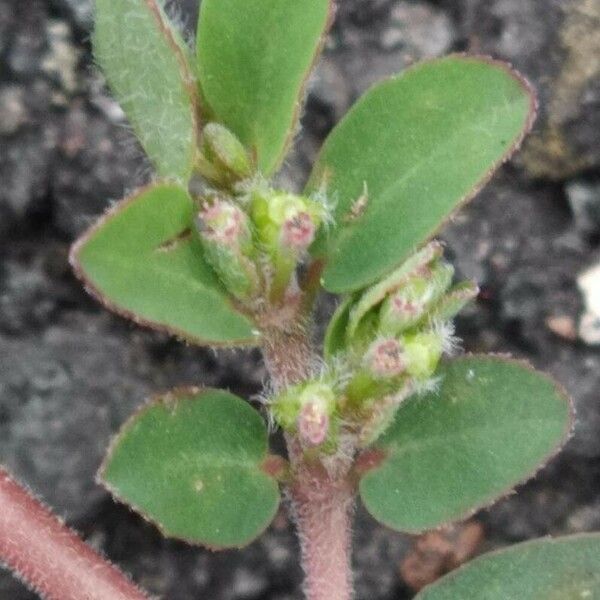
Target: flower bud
(285,221)
(385,359)
(224,151)
(227,242)
(313,425)
(423,352)
(285,225)
(411,302)
(224,223)
(416,266)
(317,404)
(298,232)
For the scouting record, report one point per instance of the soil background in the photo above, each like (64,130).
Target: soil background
(70,373)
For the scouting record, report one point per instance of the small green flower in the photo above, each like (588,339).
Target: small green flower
(423,351)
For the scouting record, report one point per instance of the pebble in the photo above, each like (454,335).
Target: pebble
(589,324)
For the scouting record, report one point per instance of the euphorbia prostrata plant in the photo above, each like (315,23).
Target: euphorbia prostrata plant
(215,253)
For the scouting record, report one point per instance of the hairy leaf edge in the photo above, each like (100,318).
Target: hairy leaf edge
(173,397)
(113,307)
(594,536)
(185,71)
(375,456)
(294,129)
(188,78)
(317,178)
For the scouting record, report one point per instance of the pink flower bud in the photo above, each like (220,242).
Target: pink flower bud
(223,223)
(313,424)
(406,308)
(385,358)
(298,232)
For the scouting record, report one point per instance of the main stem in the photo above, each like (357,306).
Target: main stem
(321,499)
(49,557)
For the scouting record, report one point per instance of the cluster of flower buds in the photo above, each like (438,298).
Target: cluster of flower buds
(394,335)
(397,332)
(253,236)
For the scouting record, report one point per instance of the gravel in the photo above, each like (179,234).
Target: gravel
(70,373)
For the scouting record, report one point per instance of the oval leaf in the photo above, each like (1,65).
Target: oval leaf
(192,463)
(254,58)
(415,147)
(561,569)
(491,425)
(143,261)
(145,63)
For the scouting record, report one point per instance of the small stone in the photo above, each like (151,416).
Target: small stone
(13,113)
(563,326)
(584,200)
(421,30)
(589,325)
(62,57)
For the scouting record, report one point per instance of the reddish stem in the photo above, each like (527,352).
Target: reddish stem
(322,508)
(321,500)
(49,557)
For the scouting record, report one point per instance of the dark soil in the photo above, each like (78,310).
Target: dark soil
(71,373)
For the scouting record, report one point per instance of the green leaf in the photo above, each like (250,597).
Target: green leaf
(422,143)
(194,463)
(335,335)
(254,58)
(143,261)
(492,424)
(145,63)
(565,568)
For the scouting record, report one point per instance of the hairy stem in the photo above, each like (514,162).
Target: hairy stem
(322,508)
(321,498)
(49,557)
(289,355)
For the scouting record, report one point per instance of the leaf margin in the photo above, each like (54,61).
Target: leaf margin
(301,96)
(188,80)
(124,313)
(171,396)
(591,535)
(317,179)
(375,456)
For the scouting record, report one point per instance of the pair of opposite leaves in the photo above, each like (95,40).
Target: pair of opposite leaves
(421,144)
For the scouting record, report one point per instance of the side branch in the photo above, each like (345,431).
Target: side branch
(49,557)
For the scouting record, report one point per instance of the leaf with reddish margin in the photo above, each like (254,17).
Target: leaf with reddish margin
(420,145)
(195,462)
(254,58)
(565,568)
(491,425)
(144,261)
